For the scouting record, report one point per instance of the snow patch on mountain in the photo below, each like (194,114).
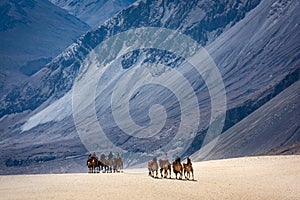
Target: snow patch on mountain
(253,54)
(55,112)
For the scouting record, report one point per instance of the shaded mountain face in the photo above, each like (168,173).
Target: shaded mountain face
(31,34)
(273,128)
(254,44)
(93,12)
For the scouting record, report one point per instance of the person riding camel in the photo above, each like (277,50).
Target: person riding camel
(177,160)
(189,161)
(110,155)
(102,157)
(118,156)
(94,155)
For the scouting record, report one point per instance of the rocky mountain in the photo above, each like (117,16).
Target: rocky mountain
(31,34)
(93,12)
(60,73)
(254,45)
(274,127)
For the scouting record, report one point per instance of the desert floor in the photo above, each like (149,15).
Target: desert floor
(274,177)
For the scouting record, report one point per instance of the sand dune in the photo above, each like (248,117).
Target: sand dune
(272,177)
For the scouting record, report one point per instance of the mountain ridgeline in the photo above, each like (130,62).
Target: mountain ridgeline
(59,75)
(32,33)
(93,12)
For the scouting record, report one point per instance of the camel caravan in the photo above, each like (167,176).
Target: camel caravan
(106,165)
(164,166)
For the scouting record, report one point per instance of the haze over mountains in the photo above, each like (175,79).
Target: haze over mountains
(32,33)
(254,44)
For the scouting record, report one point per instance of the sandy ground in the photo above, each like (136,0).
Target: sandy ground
(274,177)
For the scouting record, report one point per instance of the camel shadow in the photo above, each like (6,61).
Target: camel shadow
(174,179)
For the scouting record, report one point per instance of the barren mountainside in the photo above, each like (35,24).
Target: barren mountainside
(254,44)
(93,12)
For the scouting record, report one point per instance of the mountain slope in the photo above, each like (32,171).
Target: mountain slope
(31,34)
(275,125)
(93,12)
(253,71)
(272,51)
(64,68)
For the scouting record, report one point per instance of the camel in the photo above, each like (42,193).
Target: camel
(188,169)
(92,164)
(117,164)
(154,167)
(110,162)
(103,162)
(177,168)
(120,164)
(165,166)
(102,166)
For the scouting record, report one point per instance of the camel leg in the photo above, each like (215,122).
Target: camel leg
(187,175)
(193,174)
(180,175)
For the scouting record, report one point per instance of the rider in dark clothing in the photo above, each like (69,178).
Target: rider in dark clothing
(154,159)
(189,161)
(177,160)
(93,155)
(102,157)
